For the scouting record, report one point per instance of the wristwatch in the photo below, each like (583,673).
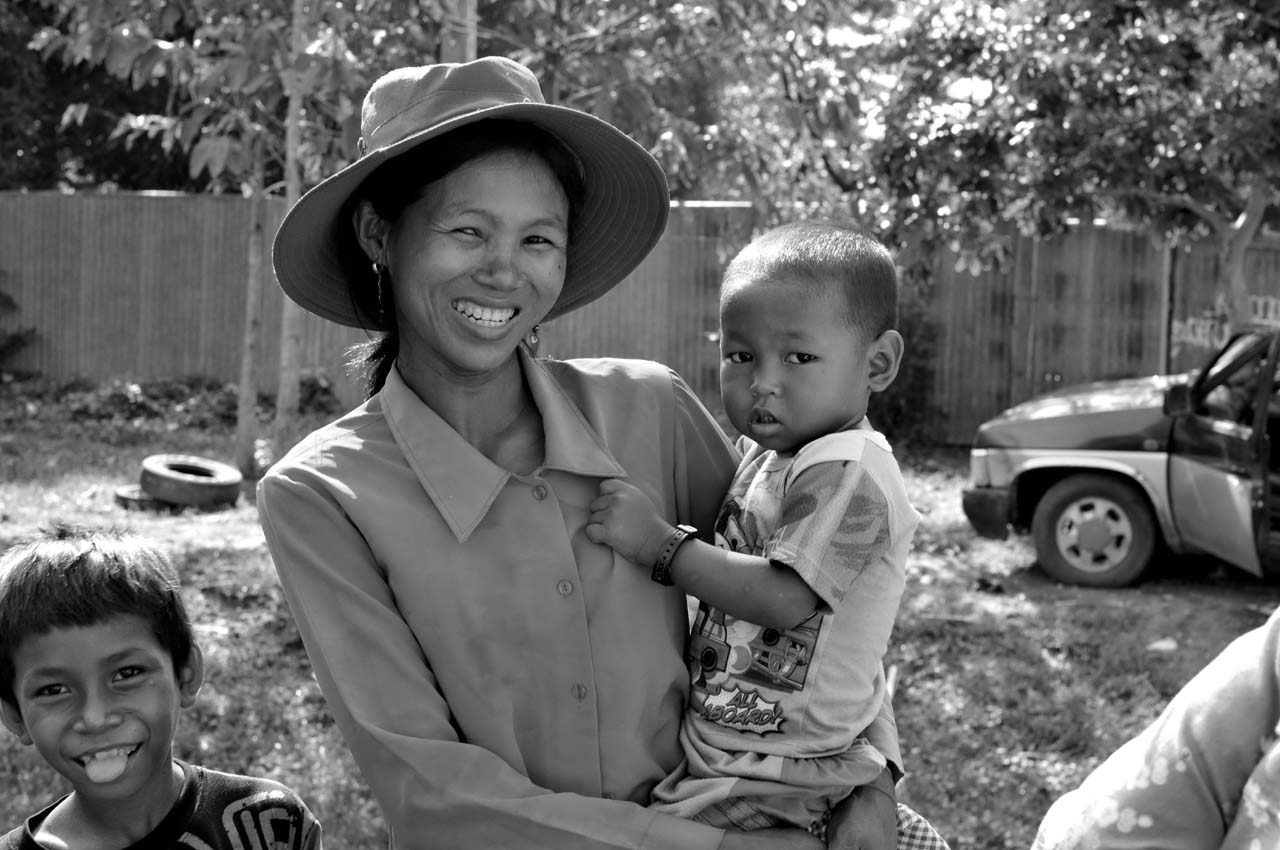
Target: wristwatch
(662,564)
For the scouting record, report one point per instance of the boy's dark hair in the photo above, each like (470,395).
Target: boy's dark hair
(822,253)
(69,576)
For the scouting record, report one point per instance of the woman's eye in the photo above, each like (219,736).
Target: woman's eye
(541,241)
(48,691)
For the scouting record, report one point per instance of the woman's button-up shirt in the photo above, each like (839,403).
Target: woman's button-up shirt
(501,680)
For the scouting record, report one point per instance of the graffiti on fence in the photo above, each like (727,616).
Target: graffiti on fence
(1212,328)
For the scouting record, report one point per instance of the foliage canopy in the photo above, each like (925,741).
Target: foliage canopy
(949,121)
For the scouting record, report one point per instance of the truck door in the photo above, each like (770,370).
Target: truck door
(1218,453)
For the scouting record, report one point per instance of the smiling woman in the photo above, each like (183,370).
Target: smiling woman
(478,259)
(501,679)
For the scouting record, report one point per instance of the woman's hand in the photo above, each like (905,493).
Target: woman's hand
(867,819)
(623,518)
(778,838)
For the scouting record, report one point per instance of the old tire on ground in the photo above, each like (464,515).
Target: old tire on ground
(1094,530)
(132,497)
(190,481)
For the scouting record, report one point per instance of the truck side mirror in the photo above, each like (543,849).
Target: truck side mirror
(1177,400)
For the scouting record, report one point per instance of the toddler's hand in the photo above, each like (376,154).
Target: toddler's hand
(623,518)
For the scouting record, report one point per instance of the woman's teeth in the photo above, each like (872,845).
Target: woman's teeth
(495,316)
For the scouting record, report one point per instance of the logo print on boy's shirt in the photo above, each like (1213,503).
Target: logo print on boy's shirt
(743,709)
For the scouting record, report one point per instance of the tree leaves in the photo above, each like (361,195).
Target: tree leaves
(945,122)
(211,153)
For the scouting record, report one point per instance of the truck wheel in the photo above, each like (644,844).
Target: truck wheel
(1094,530)
(190,481)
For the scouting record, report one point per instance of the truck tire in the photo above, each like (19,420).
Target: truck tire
(1094,530)
(190,481)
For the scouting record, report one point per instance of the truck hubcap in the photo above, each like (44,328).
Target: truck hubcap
(1094,534)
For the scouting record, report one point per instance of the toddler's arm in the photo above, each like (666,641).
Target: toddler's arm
(744,586)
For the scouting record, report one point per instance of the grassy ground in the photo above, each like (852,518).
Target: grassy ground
(1010,687)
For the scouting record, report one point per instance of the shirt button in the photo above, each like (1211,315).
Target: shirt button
(565,587)
(540,492)
(579,692)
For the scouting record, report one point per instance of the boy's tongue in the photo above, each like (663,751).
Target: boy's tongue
(107,766)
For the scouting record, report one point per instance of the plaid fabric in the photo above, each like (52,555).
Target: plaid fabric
(915,833)
(735,813)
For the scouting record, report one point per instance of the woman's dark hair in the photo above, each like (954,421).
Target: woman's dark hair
(399,182)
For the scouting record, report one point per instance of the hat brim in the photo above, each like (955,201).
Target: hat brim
(623,214)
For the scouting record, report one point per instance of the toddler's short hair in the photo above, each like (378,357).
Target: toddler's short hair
(823,254)
(69,576)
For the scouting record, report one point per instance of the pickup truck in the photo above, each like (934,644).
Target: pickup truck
(1107,475)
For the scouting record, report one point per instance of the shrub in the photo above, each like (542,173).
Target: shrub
(12,341)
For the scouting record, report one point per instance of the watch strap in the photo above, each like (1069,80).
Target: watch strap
(662,564)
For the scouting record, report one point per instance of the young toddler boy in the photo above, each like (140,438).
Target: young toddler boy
(97,659)
(799,594)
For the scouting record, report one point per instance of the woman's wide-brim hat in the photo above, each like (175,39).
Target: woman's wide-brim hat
(623,213)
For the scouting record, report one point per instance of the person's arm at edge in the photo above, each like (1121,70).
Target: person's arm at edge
(1209,740)
(426,782)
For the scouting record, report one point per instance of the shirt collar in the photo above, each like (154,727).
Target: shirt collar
(462,482)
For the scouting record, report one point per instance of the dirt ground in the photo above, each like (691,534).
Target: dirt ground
(1009,686)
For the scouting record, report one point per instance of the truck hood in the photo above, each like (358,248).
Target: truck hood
(1124,415)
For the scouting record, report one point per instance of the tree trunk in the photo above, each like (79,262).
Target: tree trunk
(287,384)
(1233,247)
(458,35)
(1231,278)
(247,392)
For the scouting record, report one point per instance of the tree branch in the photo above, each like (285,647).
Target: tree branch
(1218,222)
(1261,195)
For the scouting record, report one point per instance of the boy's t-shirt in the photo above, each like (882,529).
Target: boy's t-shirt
(838,513)
(215,811)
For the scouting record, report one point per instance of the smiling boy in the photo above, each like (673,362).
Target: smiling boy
(97,660)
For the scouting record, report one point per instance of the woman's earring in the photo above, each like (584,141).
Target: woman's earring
(380,282)
(533,338)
